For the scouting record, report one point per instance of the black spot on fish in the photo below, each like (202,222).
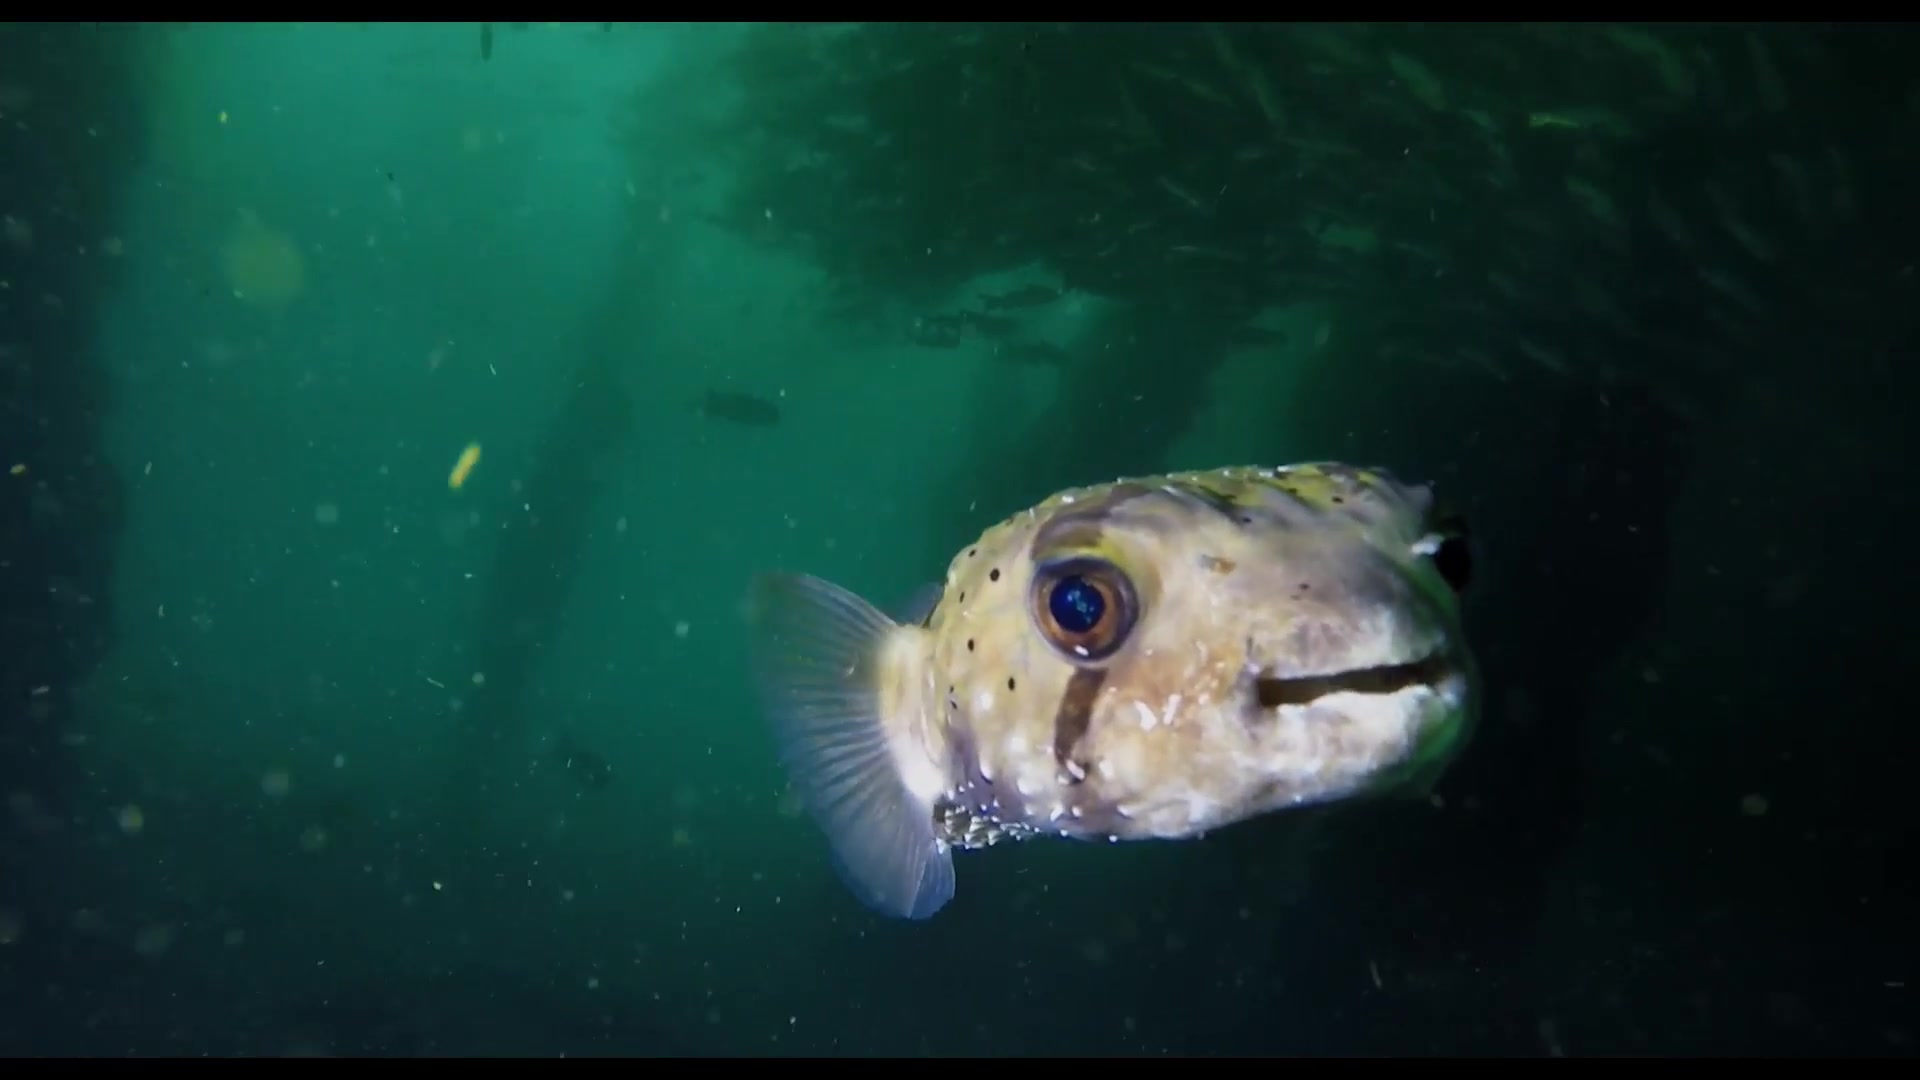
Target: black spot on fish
(994,574)
(969,644)
(1009,682)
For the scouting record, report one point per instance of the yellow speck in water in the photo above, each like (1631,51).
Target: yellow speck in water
(263,265)
(132,820)
(18,470)
(462,467)
(223,116)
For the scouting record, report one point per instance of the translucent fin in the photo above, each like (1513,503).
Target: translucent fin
(920,604)
(816,649)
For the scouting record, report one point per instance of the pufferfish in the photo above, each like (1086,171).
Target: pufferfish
(1150,658)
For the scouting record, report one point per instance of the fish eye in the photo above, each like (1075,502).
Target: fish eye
(1084,607)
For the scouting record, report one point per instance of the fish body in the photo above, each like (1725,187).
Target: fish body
(1026,296)
(584,767)
(734,407)
(1146,659)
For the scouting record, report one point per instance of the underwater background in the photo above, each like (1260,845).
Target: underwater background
(393,415)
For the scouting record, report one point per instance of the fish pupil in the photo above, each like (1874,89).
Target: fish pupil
(1076,605)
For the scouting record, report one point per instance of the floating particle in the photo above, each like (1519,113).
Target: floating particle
(313,838)
(276,783)
(132,820)
(463,466)
(326,514)
(1754,805)
(18,470)
(682,628)
(153,940)
(11,926)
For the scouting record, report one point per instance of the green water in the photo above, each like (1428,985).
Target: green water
(313,751)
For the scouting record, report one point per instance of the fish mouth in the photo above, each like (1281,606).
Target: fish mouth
(1432,672)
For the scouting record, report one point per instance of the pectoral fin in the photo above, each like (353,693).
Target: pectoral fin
(817,653)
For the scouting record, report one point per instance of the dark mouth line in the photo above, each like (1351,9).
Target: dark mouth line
(1305,690)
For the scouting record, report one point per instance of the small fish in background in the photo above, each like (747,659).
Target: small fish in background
(1151,658)
(1032,354)
(1252,336)
(1026,296)
(584,767)
(734,407)
(486,41)
(998,327)
(937,331)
